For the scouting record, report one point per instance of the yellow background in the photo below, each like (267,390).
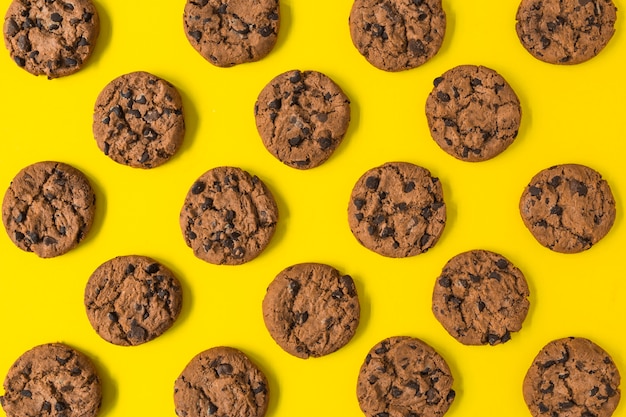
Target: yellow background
(570,114)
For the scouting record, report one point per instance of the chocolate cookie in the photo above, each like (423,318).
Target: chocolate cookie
(48,208)
(228,217)
(473,114)
(565,31)
(52,38)
(572,377)
(403,376)
(138,120)
(221,382)
(52,379)
(397,210)
(396,35)
(302,118)
(311,309)
(230,32)
(131,300)
(480,297)
(568,208)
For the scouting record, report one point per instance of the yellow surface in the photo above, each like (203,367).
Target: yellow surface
(570,114)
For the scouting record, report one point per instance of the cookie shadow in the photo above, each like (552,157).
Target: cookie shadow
(355,119)
(455,370)
(104,37)
(272,380)
(366,309)
(191,118)
(285,26)
(450,28)
(109,387)
(451,210)
(283,216)
(188,299)
(100,211)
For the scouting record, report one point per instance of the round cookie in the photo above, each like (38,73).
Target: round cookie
(228,217)
(568,208)
(51,38)
(231,32)
(403,376)
(221,381)
(397,210)
(396,35)
(473,113)
(52,379)
(565,31)
(480,297)
(302,117)
(48,208)
(131,300)
(311,310)
(572,377)
(138,120)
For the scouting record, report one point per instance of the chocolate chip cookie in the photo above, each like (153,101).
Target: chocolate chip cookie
(572,377)
(52,38)
(473,113)
(568,208)
(228,217)
(231,32)
(221,381)
(138,120)
(48,208)
(311,309)
(131,300)
(52,379)
(404,376)
(565,31)
(480,297)
(302,117)
(397,210)
(396,35)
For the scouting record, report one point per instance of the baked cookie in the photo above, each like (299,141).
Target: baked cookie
(311,309)
(572,377)
(231,32)
(52,379)
(473,113)
(221,381)
(131,300)
(138,120)
(48,208)
(52,38)
(480,297)
(302,118)
(403,376)
(565,31)
(568,208)
(228,216)
(397,210)
(396,35)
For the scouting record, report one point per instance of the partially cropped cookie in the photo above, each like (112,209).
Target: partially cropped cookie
(231,32)
(228,217)
(480,298)
(52,38)
(52,380)
(396,35)
(221,381)
(131,300)
(568,208)
(572,377)
(302,117)
(48,208)
(565,31)
(138,120)
(404,376)
(397,210)
(311,309)
(473,113)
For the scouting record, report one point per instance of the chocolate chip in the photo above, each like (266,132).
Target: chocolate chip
(296,77)
(212,409)
(198,187)
(545,42)
(558,210)
(535,191)
(26,393)
(56,17)
(266,31)
(325,143)
(358,203)
(502,263)
(408,187)
(113,316)
(224,369)
(372,182)
(481,306)
(19,61)
(543,408)
(445,97)
(60,406)
(296,141)
(153,268)
(445,282)
(294,287)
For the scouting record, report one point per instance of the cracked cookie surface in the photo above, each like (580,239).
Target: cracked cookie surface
(572,377)
(132,299)
(48,209)
(302,117)
(568,208)
(311,310)
(221,382)
(52,379)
